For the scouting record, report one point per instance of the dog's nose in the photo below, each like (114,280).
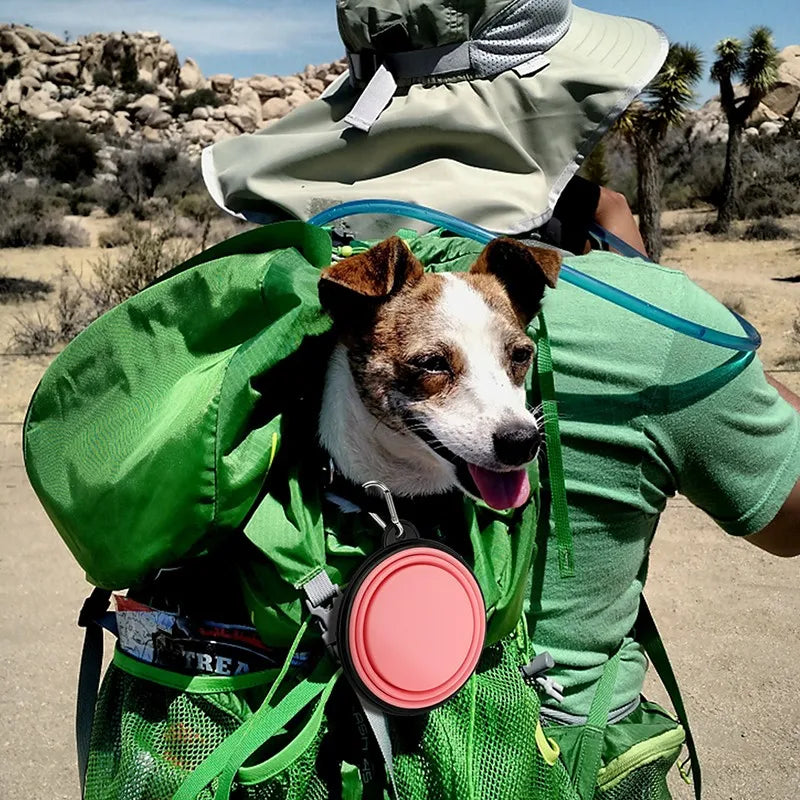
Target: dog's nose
(516,445)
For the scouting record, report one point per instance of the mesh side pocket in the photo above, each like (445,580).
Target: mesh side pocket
(648,782)
(147,738)
(482,742)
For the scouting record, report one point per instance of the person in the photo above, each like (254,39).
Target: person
(486,113)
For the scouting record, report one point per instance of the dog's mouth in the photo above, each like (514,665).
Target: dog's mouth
(499,490)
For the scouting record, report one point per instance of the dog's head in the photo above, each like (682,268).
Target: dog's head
(426,389)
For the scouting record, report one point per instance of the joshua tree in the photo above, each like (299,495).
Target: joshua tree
(664,103)
(756,64)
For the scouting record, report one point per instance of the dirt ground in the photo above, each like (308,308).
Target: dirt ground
(728,613)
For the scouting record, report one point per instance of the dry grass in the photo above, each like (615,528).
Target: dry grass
(113,280)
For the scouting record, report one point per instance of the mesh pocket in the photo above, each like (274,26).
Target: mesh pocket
(147,737)
(483,742)
(648,782)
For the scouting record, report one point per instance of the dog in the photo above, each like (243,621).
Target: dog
(425,389)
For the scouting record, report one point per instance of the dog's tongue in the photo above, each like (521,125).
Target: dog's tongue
(501,490)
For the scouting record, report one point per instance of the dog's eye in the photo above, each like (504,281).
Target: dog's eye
(522,355)
(432,363)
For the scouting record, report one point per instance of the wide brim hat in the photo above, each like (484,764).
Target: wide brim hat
(484,113)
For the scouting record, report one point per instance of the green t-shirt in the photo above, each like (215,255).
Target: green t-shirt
(646,413)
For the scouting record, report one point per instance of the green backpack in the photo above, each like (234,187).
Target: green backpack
(175,430)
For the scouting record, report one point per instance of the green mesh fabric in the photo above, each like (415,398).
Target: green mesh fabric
(648,782)
(147,738)
(481,743)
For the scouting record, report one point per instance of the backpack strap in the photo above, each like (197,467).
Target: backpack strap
(647,635)
(590,749)
(555,460)
(94,607)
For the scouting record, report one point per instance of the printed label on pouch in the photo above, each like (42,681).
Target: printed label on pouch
(193,647)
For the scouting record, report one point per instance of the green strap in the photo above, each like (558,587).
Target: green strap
(590,749)
(647,635)
(266,722)
(264,726)
(555,460)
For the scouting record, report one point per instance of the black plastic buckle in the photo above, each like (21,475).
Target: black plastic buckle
(94,606)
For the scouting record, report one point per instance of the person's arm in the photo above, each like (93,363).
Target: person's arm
(782,536)
(615,215)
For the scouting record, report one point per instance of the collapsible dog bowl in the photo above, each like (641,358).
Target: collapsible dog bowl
(412,626)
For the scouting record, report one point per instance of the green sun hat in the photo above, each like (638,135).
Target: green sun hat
(481,108)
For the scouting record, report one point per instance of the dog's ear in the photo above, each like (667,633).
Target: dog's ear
(522,270)
(360,283)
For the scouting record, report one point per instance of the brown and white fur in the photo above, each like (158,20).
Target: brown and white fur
(425,388)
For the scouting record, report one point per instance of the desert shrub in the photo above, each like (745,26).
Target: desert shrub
(140,87)
(120,234)
(149,255)
(766,230)
(128,71)
(103,77)
(59,151)
(201,97)
(33,217)
(113,280)
(16,290)
(9,71)
(33,335)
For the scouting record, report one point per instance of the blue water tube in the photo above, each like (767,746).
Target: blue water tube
(750,342)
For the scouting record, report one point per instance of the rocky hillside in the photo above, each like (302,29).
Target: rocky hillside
(781,105)
(134,86)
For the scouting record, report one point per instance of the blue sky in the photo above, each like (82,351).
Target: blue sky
(245,37)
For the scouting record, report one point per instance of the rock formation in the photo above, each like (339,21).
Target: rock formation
(132,86)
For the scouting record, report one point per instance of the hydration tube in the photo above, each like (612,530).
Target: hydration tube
(750,342)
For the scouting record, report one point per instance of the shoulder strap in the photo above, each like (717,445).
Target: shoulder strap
(647,635)
(555,460)
(89,676)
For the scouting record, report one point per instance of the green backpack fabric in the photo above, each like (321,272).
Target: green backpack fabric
(177,427)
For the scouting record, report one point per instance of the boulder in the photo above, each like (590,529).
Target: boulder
(769,128)
(151,134)
(49,116)
(30,36)
(64,72)
(159,119)
(783,98)
(11,42)
(275,108)
(12,92)
(201,112)
(298,98)
(763,114)
(79,112)
(751,133)
(190,76)
(29,82)
(241,118)
(196,130)
(222,84)
(789,65)
(315,85)
(218,113)
(267,86)
(165,93)
(146,101)
(121,124)
(251,102)
(36,104)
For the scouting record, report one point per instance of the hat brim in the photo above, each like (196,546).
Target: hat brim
(497,152)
